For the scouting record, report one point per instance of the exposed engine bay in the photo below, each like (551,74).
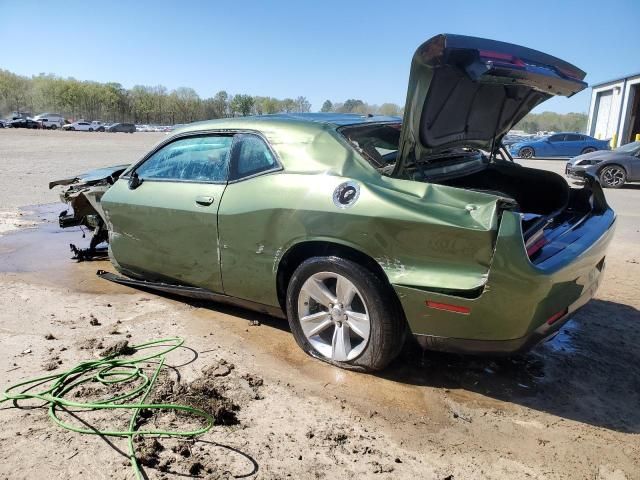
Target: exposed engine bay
(83,195)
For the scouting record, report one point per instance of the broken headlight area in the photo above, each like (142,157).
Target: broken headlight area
(83,194)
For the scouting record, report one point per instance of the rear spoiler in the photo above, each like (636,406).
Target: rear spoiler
(501,62)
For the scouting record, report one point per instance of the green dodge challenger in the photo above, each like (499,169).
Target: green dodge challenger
(361,230)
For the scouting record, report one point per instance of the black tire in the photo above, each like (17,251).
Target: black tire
(72,129)
(54,127)
(588,150)
(91,129)
(613,176)
(526,152)
(387,326)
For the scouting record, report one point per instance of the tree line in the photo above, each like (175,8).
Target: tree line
(110,101)
(553,122)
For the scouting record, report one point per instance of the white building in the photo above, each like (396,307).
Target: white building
(615,110)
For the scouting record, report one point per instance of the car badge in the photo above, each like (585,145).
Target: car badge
(346,194)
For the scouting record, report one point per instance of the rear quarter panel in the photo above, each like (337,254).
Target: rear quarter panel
(421,235)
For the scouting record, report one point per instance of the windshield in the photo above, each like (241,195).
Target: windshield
(632,148)
(378,143)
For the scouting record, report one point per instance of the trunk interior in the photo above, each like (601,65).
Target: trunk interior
(552,212)
(535,191)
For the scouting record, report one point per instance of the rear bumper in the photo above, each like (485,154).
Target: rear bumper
(501,347)
(519,298)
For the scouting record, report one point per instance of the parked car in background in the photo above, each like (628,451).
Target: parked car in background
(121,127)
(97,126)
(3,123)
(51,124)
(511,139)
(614,168)
(23,123)
(421,226)
(558,145)
(51,118)
(81,126)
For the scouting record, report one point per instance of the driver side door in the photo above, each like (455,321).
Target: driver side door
(166,227)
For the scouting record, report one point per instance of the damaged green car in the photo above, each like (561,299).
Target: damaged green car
(362,230)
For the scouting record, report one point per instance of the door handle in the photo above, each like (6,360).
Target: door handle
(204,200)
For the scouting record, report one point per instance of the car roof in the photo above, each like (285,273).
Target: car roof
(332,120)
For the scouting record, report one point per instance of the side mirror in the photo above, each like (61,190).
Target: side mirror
(134,181)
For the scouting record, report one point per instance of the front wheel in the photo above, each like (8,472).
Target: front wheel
(613,176)
(526,152)
(54,127)
(343,314)
(71,129)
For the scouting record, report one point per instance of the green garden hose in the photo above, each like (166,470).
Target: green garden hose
(109,371)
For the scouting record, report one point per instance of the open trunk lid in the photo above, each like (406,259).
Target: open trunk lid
(469,92)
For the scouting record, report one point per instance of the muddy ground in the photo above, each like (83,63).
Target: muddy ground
(569,409)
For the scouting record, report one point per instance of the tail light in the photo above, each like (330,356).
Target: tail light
(500,57)
(535,242)
(557,316)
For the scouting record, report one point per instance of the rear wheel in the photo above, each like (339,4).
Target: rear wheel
(613,176)
(54,127)
(91,129)
(588,150)
(526,152)
(343,314)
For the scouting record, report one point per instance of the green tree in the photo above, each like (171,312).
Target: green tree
(390,109)
(302,105)
(220,104)
(327,106)
(243,104)
(351,105)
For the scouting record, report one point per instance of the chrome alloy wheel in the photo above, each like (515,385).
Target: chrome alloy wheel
(613,176)
(333,316)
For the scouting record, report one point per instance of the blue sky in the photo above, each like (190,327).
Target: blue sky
(319,49)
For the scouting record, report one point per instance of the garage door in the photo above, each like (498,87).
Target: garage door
(603,114)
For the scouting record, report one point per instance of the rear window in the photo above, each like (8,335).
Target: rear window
(378,143)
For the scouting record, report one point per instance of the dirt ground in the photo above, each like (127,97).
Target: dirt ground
(569,409)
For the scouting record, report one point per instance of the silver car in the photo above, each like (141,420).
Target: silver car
(614,168)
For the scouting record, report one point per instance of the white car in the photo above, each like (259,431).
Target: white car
(80,126)
(50,123)
(50,120)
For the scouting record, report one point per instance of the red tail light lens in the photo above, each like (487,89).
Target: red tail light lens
(501,58)
(536,242)
(557,316)
(537,245)
(449,307)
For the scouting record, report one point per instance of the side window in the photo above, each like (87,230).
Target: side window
(196,159)
(556,138)
(250,156)
(573,138)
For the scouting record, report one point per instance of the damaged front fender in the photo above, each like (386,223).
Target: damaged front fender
(83,194)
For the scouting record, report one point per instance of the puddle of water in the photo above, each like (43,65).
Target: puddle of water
(42,255)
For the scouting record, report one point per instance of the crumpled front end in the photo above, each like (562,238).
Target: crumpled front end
(83,194)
